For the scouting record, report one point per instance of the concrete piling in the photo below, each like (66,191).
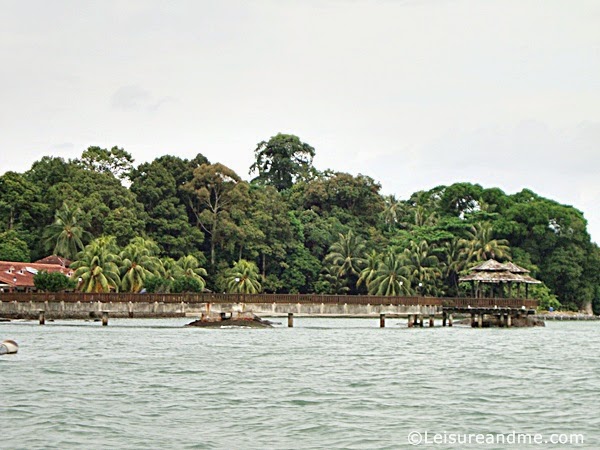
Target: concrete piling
(42,317)
(444,318)
(290,320)
(104,318)
(449,320)
(381,320)
(411,321)
(431,321)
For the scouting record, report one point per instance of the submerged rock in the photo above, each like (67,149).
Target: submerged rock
(233,319)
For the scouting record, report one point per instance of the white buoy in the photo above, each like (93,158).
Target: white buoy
(8,346)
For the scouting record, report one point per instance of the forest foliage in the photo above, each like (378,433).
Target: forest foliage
(175,224)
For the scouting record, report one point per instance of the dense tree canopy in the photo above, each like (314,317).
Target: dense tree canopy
(178,225)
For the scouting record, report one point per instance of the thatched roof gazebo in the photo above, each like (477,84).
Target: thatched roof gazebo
(494,273)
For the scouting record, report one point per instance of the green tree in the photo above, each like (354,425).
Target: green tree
(115,161)
(282,160)
(346,255)
(189,266)
(97,266)
(483,246)
(66,232)
(186,284)
(243,278)
(390,277)
(422,268)
(369,272)
(52,281)
(138,261)
(156,187)
(13,248)
(212,194)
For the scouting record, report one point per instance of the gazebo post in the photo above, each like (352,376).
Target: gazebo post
(526,290)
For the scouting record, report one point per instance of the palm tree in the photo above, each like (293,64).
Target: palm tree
(390,276)
(170,269)
(96,268)
(344,255)
(390,212)
(456,255)
(66,233)
(243,277)
(189,266)
(138,261)
(423,267)
(482,246)
(368,274)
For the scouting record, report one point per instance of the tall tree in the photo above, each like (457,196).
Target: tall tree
(212,194)
(12,247)
(116,161)
(65,235)
(282,160)
(155,186)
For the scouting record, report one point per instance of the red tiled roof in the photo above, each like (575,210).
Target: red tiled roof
(11,271)
(54,259)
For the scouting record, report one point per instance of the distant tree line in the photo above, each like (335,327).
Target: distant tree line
(178,225)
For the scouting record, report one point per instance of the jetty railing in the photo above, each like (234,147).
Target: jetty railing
(113,297)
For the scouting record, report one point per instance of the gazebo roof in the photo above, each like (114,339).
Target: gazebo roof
(491,271)
(512,267)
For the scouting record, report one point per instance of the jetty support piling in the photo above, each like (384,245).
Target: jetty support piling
(42,317)
(431,321)
(421,320)
(508,320)
(104,318)
(449,320)
(480,320)
(381,320)
(411,321)
(444,318)
(290,320)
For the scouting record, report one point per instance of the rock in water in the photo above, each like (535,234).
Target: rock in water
(232,319)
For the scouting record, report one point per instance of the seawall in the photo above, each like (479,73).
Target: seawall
(93,309)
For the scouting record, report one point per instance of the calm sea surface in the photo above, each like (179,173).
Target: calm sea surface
(327,383)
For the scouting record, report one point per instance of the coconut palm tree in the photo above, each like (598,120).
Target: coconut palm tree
(369,272)
(482,245)
(423,268)
(170,268)
(390,277)
(65,235)
(96,268)
(345,255)
(455,261)
(189,266)
(391,210)
(243,277)
(138,261)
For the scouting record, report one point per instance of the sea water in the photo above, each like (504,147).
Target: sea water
(326,384)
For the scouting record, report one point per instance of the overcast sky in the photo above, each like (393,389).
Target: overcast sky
(412,93)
